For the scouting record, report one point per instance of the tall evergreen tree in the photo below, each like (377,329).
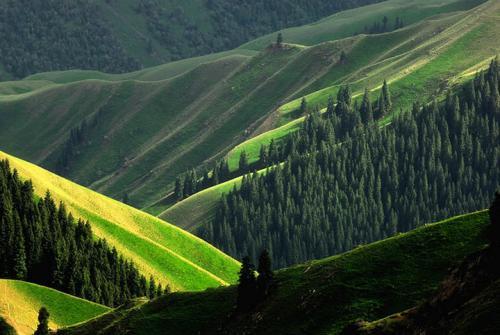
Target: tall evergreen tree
(366,108)
(246,285)
(43,322)
(243,163)
(279,40)
(494,230)
(266,275)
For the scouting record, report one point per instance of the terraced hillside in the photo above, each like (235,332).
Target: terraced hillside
(20,302)
(158,248)
(318,297)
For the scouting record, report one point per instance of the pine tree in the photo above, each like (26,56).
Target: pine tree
(43,322)
(303,106)
(494,230)
(246,286)
(243,163)
(366,108)
(152,287)
(266,275)
(279,40)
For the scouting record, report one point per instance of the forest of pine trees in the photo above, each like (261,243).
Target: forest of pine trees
(42,243)
(345,182)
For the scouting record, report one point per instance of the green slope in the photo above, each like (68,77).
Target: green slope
(420,63)
(318,297)
(353,21)
(20,302)
(158,248)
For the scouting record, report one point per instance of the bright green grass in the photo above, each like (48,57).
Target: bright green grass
(20,302)
(349,22)
(320,297)
(158,248)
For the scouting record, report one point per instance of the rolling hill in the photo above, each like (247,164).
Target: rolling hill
(20,302)
(156,123)
(318,297)
(119,36)
(158,248)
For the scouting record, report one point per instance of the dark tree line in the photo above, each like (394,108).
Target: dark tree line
(41,243)
(39,35)
(193,182)
(383,26)
(343,184)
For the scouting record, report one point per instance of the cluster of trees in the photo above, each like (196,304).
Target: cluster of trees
(383,26)
(339,188)
(191,182)
(39,35)
(253,289)
(41,243)
(78,137)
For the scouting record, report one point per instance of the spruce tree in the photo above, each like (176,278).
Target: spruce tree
(494,229)
(303,106)
(246,286)
(243,163)
(366,108)
(279,40)
(266,275)
(43,322)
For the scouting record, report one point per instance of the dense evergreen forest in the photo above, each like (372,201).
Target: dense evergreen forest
(41,243)
(346,181)
(39,35)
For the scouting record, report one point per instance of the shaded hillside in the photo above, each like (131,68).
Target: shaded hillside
(317,297)
(20,302)
(119,36)
(467,301)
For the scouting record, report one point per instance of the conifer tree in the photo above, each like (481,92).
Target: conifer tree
(243,163)
(266,275)
(303,106)
(152,288)
(494,230)
(246,285)
(366,108)
(43,322)
(279,40)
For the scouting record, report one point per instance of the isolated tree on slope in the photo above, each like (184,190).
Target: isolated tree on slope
(43,322)
(246,285)
(243,164)
(494,231)
(279,40)
(266,275)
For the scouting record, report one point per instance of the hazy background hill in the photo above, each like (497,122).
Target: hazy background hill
(120,36)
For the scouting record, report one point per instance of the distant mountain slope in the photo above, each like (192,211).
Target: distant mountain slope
(20,302)
(119,36)
(158,248)
(319,297)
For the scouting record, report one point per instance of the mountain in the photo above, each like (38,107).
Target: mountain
(169,254)
(319,297)
(119,36)
(144,128)
(20,302)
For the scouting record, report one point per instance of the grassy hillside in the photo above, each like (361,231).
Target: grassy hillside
(321,296)
(420,62)
(121,36)
(353,21)
(20,302)
(158,248)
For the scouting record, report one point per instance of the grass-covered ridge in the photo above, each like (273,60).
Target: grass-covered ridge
(322,296)
(158,248)
(20,302)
